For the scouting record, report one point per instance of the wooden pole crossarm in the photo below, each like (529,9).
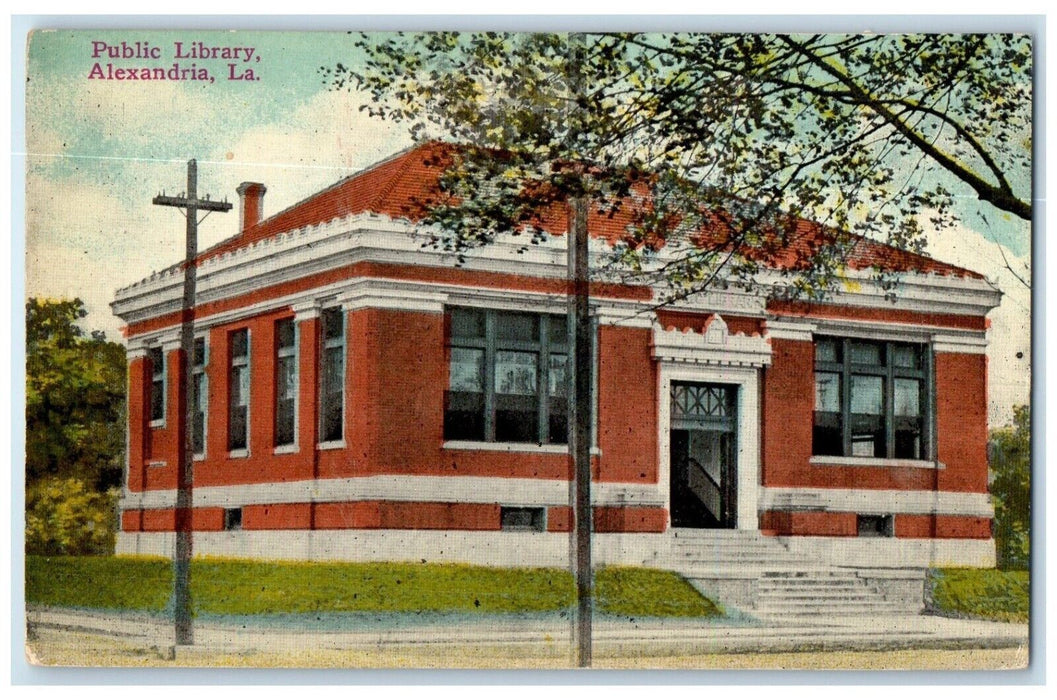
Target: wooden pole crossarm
(186,203)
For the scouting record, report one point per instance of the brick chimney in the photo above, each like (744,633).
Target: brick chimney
(251,204)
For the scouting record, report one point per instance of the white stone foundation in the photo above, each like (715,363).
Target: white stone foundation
(895,552)
(536,548)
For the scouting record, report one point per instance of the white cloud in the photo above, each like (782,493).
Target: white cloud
(94,229)
(82,241)
(1009,350)
(320,142)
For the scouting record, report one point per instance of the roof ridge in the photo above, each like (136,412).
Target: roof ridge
(391,182)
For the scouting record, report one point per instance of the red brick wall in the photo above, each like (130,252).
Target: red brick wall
(397,373)
(438,516)
(961,421)
(132,520)
(262,465)
(846,525)
(627,406)
(560,519)
(342,516)
(138,418)
(308,397)
(942,526)
(400,373)
(810,523)
(629,519)
(164,520)
(277,516)
(163,443)
(394,515)
(788,413)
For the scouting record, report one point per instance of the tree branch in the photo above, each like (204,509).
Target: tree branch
(1001,197)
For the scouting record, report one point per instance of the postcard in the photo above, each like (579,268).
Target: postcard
(508,350)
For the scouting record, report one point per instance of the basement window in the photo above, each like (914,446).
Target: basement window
(232,518)
(522,519)
(876,526)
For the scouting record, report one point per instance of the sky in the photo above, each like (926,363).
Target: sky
(97,151)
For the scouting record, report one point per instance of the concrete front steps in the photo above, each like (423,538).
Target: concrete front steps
(759,575)
(799,594)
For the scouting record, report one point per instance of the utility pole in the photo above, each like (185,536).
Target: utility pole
(181,562)
(580,352)
(580,409)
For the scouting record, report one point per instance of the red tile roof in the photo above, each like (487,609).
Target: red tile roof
(398,186)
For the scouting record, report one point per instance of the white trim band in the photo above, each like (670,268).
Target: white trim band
(445,489)
(877,501)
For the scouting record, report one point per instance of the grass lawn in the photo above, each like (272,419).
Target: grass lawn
(985,593)
(222,586)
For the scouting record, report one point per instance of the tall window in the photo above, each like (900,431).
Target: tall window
(871,399)
(157,385)
(508,377)
(332,390)
(239,391)
(285,382)
(200,397)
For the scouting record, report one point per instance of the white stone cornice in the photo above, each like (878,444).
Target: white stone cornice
(363,296)
(369,238)
(715,346)
(787,328)
(943,340)
(962,342)
(306,309)
(922,293)
(169,339)
(628,315)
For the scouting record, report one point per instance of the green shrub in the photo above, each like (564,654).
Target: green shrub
(984,593)
(1009,452)
(65,516)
